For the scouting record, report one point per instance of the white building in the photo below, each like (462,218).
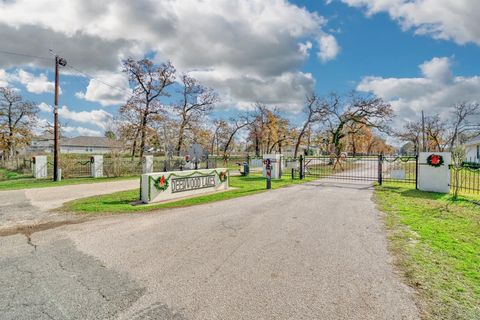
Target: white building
(472,149)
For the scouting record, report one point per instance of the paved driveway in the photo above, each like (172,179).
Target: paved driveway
(313,251)
(32,206)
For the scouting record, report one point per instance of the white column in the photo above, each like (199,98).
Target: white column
(97,166)
(40,167)
(147,164)
(434,179)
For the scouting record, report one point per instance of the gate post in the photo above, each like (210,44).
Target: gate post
(301,173)
(416,172)
(39,166)
(380,169)
(96,165)
(147,164)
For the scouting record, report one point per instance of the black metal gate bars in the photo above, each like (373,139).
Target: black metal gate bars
(377,168)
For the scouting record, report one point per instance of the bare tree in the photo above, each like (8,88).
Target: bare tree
(149,83)
(313,114)
(16,120)
(437,132)
(372,112)
(461,114)
(458,156)
(196,102)
(234,126)
(411,132)
(220,127)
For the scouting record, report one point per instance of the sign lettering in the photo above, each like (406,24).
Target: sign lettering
(192,183)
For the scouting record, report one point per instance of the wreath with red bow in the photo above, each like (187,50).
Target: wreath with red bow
(435,160)
(161,183)
(223,176)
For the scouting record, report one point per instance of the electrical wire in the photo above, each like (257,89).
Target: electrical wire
(101,81)
(68,66)
(23,55)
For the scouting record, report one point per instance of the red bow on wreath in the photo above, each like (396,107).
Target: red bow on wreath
(161,183)
(223,176)
(435,160)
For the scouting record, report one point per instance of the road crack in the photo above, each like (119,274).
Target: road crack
(29,241)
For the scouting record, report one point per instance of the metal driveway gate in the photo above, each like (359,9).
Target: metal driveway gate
(376,168)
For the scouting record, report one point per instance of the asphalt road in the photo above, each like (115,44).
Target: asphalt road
(32,206)
(313,251)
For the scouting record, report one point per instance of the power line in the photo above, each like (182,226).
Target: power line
(23,55)
(92,77)
(101,81)
(68,66)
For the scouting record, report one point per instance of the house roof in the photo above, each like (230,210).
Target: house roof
(473,142)
(44,136)
(86,141)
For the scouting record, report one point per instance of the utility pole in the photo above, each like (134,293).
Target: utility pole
(424,144)
(56,131)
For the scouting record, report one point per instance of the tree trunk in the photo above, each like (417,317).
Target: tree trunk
(257,145)
(142,138)
(180,137)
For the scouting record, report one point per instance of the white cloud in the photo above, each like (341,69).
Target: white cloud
(434,92)
(455,20)
(41,125)
(3,78)
(329,48)
(99,118)
(237,39)
(81,131)
(284,91)
(35,84)
(45,107)
(97,91)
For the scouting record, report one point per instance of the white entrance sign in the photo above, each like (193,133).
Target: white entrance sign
(434,176)
(40,167)
(164,186)
(275,165)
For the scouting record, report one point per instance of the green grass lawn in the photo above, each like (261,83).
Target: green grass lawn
(121,201)
(30,183)
(12,175)
(436,243)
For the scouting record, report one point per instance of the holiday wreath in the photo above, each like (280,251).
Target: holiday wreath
(435,160)
(223,176)
(161,183)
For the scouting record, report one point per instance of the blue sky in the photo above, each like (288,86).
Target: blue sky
(418,55)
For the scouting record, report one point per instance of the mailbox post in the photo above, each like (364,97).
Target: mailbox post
(268,171)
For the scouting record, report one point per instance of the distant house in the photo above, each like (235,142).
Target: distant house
(86,144)
(41,144)
(472,149)
(81,144)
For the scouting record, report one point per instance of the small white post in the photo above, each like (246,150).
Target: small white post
(40,167)
(97,166)
(147,164)
(434,178)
